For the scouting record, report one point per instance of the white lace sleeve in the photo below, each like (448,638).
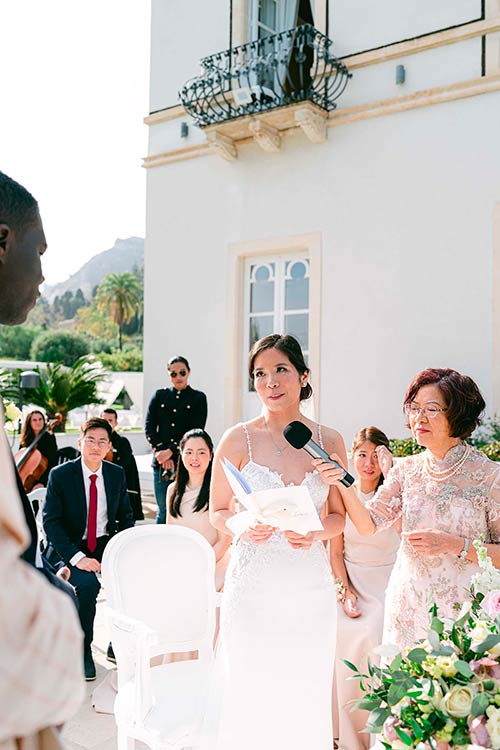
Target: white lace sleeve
(388,499)
(493,510)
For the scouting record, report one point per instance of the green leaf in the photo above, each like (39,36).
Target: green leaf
(433,639)
(368,703)
(463,668)
(417,655)
(351,666)
(417,729)
(397,692)
(396,663)
(376,720)
(479,704)
(437,625)
(404,737)
(489,642)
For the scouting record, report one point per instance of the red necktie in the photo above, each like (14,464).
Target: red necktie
(92,519)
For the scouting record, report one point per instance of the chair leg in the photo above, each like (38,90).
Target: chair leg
(124,742)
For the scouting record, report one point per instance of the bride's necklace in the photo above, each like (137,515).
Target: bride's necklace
(279,450)
(444,474)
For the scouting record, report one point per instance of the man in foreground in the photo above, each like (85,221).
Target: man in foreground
(41,683)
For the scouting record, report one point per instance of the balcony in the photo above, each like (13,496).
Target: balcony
(261,88)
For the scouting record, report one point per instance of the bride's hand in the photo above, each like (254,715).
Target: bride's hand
(259,533)
(299,541)
(328,473)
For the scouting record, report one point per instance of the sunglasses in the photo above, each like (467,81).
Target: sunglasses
(174,374)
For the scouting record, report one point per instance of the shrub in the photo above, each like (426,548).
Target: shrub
(16,341)
(404,447)
(59,347)
(130,358)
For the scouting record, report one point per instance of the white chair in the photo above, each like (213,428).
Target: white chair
(39,496)
(159,582)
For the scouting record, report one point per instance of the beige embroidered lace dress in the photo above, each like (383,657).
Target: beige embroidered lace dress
(467,503)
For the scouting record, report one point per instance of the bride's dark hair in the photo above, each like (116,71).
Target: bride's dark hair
(289,346)
(182,476)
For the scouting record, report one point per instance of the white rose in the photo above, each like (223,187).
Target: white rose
(12,413)
(398,745)
(493,726)
(479,633)
(494,651)
(457,702)
(447,665)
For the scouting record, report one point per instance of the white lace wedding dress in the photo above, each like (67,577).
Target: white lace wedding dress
(276,649)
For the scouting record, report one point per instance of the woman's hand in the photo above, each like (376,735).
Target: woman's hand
(351,604)
(299,541)
(430,541)
(259,533)
(384,457)
(328,473)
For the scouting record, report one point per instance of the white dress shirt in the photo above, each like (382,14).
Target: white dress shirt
(102,508)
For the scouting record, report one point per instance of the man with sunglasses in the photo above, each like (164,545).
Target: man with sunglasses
(172,412)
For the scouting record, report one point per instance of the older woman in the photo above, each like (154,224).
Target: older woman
(446,496)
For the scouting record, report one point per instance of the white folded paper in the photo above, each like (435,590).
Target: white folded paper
(286,508)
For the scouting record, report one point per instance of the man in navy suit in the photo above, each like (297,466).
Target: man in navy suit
(86,504)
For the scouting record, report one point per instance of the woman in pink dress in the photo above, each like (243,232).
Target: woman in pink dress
(446,496)
(362,566)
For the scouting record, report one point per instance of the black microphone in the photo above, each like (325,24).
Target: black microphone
(300,436)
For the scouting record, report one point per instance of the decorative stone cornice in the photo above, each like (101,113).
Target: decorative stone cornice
(223,145)
(313,124)
(268,138)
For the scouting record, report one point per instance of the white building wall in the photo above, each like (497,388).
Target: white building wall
(404,205)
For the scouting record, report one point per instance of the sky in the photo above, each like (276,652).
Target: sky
(74,78)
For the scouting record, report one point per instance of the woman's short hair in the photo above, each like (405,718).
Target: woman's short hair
(178,358)
(463,399)
(289,346)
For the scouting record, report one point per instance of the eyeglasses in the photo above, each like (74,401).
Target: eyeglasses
(173,373)
(412,410)
(100,443)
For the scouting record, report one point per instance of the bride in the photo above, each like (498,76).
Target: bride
(278,614)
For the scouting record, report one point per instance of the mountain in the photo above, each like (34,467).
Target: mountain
(122,257)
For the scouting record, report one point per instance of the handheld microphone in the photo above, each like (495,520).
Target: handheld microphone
(300,436)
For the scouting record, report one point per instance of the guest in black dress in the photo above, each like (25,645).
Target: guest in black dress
(47,445)
(172,412)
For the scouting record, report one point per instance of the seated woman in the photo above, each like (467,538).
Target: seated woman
(188,496)
(362,566)
(33,424)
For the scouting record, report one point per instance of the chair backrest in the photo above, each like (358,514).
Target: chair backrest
(164,576)
(38,496)
(68,453)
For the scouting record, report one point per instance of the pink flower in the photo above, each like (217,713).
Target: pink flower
(491,603)
(478,733)
(389,730)
(486,667)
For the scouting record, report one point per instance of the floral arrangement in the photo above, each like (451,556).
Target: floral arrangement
(12,414)
(445,692)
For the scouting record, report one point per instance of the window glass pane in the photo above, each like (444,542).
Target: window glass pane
(259,327)
(267,13)
(298,326)
(296,287)
(262,289)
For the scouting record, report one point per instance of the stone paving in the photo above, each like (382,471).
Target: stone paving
(89,730)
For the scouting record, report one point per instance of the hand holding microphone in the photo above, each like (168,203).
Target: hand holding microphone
(330,468)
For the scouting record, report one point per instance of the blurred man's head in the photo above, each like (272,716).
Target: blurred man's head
(111,416)
(22,243)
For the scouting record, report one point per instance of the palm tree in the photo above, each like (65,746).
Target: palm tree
(120,295)
(63,388)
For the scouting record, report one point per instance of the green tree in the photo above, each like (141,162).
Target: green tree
(62,389)
(16,341)
(120,295)
(61,347)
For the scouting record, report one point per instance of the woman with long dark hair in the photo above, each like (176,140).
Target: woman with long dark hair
(33,424)
(362,566)
(188,497)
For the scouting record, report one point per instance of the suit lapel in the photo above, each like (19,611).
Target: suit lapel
(110,496)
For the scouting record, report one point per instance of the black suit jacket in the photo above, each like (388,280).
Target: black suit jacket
(65,509)
(170,414)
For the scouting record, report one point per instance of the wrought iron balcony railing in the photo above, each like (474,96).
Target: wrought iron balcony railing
(277,70)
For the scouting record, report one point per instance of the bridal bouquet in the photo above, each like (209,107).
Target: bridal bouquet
(445,692)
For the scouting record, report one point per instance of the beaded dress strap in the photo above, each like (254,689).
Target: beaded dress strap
(320,436)
(249,444)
